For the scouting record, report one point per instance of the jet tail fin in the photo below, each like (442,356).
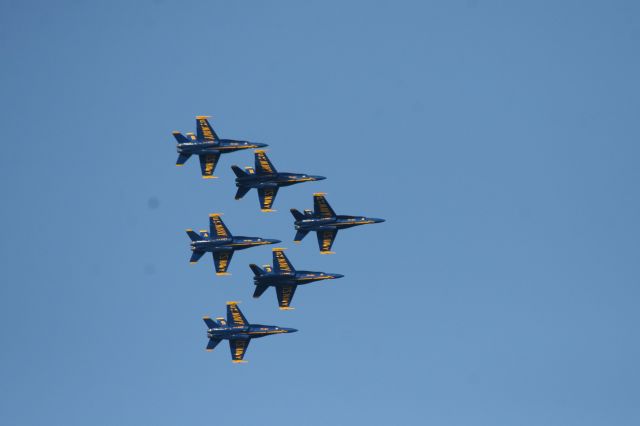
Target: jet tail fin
(256,269)
(297,215)
(238,171)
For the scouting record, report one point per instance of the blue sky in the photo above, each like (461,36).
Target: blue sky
(498,139)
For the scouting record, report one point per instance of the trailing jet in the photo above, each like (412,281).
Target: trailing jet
(266,179)
(325,222)
(208,146)
(238,331)
(284,278)
(220,243)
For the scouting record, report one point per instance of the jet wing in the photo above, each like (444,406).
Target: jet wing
(238,348)
(267,196)
(326,239)
(280,262)
(285,295)
(321,207)
(221,260)
(208,164)
(217,227)
(205,132)
(263,164)
(234,316)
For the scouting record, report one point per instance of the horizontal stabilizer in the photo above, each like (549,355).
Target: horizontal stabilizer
(212,344)
(180,138)
(195,256)
(210,323)
(193,235)
(182,158)
(300,235)
(238,171)
(259,290)
(297,215)
(242,191)
(257,271)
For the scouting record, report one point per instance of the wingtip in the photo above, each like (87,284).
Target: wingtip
(286,308)
(316,194)
(209,177)
(327,252)
(279,248)
(223,274)
(215,214)
(201,117)
(239,361)
(233,302)
(268,210)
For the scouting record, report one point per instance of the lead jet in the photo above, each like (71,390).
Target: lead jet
(325,222)
(238,331)
(208,146)
(284,277)
(220,243)
(267,180)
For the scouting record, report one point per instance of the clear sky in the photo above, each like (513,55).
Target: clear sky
(499,139)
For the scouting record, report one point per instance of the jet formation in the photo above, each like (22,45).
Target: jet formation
(218,241)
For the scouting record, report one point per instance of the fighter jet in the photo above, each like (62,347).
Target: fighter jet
(220,243)
(208,146)
(325,222)
(284,278)
(266,179)
(238,331)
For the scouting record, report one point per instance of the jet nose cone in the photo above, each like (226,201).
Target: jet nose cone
(273,241)
(291,330)
(260,145)
(376,220)
(337,275)
(319,177)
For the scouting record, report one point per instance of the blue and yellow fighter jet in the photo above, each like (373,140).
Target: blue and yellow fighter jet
(325,222)
(266,179)
(220,243)
(238,331)
(208,146)
(284,278)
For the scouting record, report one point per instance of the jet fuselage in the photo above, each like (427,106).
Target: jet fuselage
(235,243)
(251,331)
(311,223)
(261,180)
(223,145)
(292,278)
